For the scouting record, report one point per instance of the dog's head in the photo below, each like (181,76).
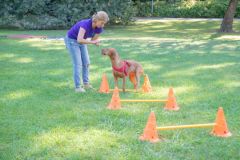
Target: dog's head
(111,52)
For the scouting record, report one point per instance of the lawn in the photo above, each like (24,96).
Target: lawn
(41,117)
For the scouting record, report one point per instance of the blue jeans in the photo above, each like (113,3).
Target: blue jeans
(80,60)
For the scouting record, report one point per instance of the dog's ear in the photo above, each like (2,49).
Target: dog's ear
(104,51)
(112,50)
(111,53)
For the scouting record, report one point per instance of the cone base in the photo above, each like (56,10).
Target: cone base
(155,140)
(146,91)
(228,134)
(176,108)
(113,107)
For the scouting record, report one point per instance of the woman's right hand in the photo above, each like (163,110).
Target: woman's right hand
(96,42)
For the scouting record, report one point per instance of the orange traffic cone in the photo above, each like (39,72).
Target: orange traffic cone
(115,101)
(150,131)
(221,129)
(171,103)
(146,87)
(104,88)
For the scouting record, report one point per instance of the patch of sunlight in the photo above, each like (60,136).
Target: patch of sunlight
(224,46)
(18,94)
(182,91)
(24,60)
(44,45)
(192,29)
(62,84)
(229,37)
(55,43)
(54,39)
(229,83)
(198,42)
(188,72)
(53,48)
(232,84)
(98,77)
(147,21)
(158,26)
(159,92)
(146,39)
(169,30)
(177,90)
(68,141)
(31,40)
(214,66)
(151,67)
(191,3)
(6,56)
(175,31)
(56,72)
(170,20)
(154,27)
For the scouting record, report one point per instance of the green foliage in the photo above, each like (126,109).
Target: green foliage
(56,14)
(53,14)
(185,8)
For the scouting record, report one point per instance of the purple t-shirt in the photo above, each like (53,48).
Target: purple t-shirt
(85,24)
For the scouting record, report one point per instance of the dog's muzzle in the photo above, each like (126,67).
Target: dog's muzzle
(104,52)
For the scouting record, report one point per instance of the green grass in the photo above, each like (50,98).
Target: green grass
(41,117)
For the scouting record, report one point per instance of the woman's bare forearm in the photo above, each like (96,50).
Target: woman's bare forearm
(84,41)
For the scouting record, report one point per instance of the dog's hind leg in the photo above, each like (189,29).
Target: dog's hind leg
(124,84)
(139,72)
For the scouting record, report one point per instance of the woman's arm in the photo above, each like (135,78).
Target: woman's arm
(95,37)
(81,40)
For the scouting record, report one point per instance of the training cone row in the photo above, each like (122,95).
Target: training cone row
(221,129)
(171,103)
(104,87)
(146,87)
(115,101)
(150,133)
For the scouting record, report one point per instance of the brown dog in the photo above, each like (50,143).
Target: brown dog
(124,68)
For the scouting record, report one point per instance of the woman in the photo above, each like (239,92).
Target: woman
(76,41)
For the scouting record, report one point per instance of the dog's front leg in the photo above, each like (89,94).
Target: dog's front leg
(124,84)
(115,81)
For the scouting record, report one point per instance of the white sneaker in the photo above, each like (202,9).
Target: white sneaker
(80,90)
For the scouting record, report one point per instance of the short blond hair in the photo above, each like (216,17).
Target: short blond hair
(100,16)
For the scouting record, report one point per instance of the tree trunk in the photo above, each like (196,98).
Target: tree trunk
(227,22)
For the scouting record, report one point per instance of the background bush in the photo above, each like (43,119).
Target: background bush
(56,14)
(61,14)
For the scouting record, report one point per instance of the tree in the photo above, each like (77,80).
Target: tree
(170,1)
(227,22)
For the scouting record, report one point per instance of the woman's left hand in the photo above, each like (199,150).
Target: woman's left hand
(97,44)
